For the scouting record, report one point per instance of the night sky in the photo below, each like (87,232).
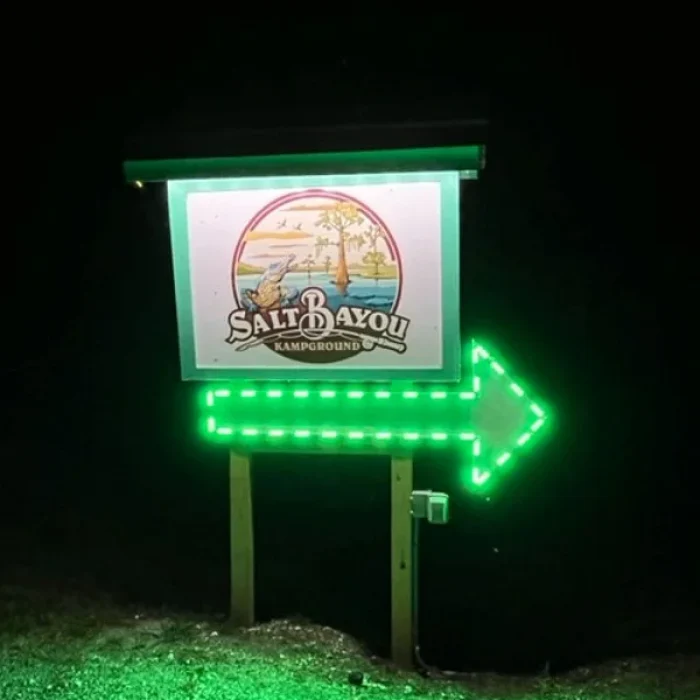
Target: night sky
(106,486)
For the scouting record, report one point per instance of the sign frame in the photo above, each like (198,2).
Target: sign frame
(451,350)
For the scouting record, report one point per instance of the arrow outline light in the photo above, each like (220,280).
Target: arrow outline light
(485,363)
(329,436)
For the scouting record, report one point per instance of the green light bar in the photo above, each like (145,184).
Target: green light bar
(491,416)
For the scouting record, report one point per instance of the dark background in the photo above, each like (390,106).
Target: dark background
(582,553)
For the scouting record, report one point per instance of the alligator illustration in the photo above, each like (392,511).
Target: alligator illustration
(270,294)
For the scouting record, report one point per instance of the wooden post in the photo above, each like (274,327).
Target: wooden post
(242,552)
(401,564)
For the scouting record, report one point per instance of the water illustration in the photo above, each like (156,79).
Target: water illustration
(377,294)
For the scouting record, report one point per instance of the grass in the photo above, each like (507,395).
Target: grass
(70,649)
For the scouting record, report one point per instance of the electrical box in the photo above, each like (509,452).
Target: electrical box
(419,504)
(438,508)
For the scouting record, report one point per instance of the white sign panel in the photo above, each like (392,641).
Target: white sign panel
(318,278)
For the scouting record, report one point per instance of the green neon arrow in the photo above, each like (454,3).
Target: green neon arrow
(492,417)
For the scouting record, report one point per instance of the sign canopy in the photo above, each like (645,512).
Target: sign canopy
(318,267)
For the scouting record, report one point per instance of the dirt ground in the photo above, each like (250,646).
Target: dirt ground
(98,652)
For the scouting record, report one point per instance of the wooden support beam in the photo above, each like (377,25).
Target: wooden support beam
(401,562)
(242,541)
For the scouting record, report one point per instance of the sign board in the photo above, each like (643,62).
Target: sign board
(318,277)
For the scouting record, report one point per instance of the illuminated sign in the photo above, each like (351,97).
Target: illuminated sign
(321,294)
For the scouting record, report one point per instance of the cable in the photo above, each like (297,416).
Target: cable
(423,668)
(415,532)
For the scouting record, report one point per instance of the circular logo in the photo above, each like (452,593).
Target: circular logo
(316,275)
